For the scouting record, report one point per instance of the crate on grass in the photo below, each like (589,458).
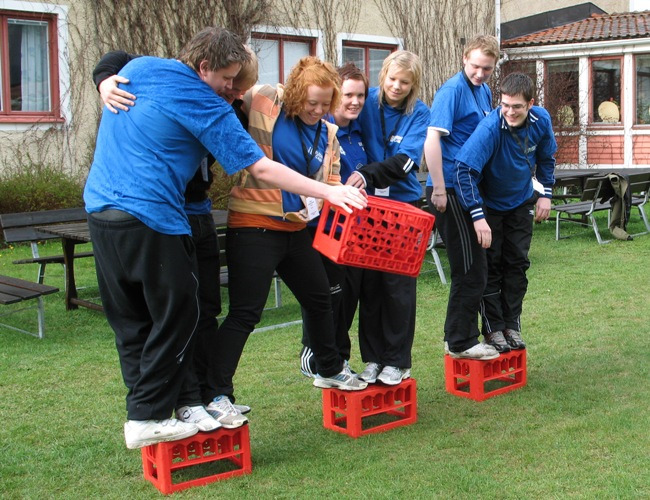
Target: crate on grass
(479,380)
(197,460)
(377,408)
(387,236)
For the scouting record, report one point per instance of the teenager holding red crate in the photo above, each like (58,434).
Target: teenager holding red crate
(344,280)
(394,126)
(267,226)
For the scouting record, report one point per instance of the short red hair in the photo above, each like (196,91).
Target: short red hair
(309,71)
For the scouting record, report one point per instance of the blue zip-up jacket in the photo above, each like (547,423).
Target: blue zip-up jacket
(491,167)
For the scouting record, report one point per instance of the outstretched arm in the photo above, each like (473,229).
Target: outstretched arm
(283,177)
(381,174)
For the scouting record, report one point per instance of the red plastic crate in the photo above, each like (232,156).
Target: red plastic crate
(468,377)
(160,460)
(387,235)
(344,411)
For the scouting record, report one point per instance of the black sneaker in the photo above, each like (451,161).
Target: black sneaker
(513,338)
(497,340)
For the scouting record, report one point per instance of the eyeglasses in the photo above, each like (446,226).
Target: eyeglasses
(516,107)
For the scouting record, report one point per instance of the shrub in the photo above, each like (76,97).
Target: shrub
(220,189)
(38,187)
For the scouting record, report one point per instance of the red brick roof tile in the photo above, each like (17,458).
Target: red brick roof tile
(598,27)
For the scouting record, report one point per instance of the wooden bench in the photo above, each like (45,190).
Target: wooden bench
(21,228)
(14,290)
(589,204)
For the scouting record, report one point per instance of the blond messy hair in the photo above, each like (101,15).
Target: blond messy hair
(406,61)
(487,44)
(248,75)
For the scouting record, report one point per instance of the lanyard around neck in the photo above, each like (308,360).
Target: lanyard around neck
(385,138)
(524,146)
(305,151)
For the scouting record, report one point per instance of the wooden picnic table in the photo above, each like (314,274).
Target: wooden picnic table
(78,233)
(566,177)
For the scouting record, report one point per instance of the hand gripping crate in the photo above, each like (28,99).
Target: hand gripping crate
(222,453)
(387,236)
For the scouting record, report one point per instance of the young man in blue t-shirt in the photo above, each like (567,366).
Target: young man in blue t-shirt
(144,255)
(458,107)
(504,180)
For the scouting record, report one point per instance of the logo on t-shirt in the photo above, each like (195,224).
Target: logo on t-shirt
(318,156)
(396,139)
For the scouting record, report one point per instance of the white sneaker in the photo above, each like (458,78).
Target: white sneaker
(480,351)
(446,347)
(345,380)
(369,374)
(391,375)
(243,409)
(141,433)
(223,410)
(198,416)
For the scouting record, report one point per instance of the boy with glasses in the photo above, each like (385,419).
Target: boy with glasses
(504,180)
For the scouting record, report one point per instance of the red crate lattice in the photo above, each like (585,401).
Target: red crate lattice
(344,411)
(387,235)
(160,460)
(468,377)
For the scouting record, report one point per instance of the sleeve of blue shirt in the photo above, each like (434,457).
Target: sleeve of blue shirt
(443,110)
(471,159)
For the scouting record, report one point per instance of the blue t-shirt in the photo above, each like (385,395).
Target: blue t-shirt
(494,159)
(401,134)
(353,154)
(145,158)
(458,107)
(290,136)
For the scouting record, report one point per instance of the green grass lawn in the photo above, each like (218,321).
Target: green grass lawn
(578,429)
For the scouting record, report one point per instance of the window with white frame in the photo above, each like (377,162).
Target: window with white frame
(606,90)
(277,54)
(28,67)
(368,57)
(642,89)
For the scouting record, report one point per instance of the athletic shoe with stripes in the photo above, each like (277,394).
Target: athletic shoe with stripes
(344,380)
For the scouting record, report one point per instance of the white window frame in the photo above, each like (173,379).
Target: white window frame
(292,32)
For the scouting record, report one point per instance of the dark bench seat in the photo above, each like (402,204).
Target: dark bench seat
(589,204)
(14,290)
(22,228)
